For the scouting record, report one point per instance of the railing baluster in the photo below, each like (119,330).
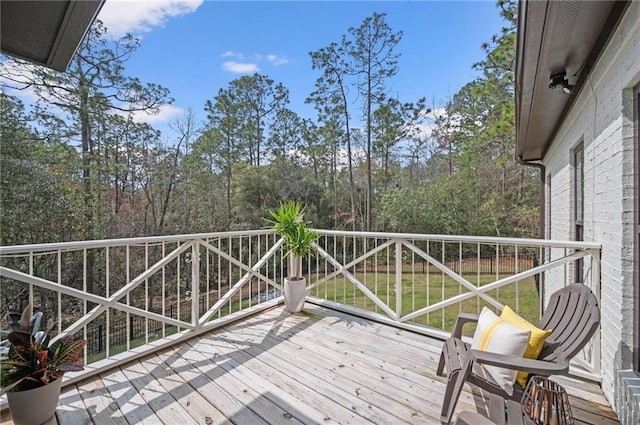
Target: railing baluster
(365,247)
(398,284)
(540,279)
(31,300)
(478,267)
(208,277)
(164,289)
(178,300)
(375,276)
(442,283)
(344,261)
(413,277)
(219,274)
(107,324)
(195,284)
(59,269)
(84,302)
(129,333)
(498,270)
(146,294)
(229,270)
(460,273)
(317,258)
(250,263)
(428,303)
(240,254)
(388,274)
(354,251)
(516,271)
(335,279)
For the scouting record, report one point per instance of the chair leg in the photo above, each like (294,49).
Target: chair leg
(452,392)
(440,370)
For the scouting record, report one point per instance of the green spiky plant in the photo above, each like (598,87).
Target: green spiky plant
(32,363)
(288,222)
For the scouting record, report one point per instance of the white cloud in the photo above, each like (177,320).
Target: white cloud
(277,60)
(167,113)
(435,113)
(244,64)
(240,68)
(428,127)
(422,130)
(15,78)
(28,96)
(127,16)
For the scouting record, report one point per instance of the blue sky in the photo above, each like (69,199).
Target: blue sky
(194,48)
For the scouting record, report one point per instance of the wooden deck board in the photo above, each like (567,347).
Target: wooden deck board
(318,367)
(179,378)
(400,400)
(294,363)
(129,401)
(71,409)
(99,402)
(260,383)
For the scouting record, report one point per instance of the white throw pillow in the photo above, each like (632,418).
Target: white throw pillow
(496,335)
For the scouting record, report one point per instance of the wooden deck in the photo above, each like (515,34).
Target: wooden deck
(317,367)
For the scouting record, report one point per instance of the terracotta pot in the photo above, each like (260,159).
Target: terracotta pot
(36,406)
(295,292)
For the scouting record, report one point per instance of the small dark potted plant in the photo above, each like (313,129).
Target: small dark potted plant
(31,374)
(288,222)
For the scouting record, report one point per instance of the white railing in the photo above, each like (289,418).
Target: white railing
(128,297)
(441,275)
(124,294)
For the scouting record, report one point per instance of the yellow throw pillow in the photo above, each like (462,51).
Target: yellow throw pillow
(536,341)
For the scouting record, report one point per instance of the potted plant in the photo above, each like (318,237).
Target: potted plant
(31,374)
(288,222)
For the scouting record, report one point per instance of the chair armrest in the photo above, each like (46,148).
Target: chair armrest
(461,320)
(519,363)
(471,418)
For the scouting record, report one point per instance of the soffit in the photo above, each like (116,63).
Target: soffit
(555,36)
(45,32)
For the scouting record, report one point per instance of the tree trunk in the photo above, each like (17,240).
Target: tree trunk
(369,188)
(85,131)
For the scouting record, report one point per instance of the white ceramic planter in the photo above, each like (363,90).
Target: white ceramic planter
(34,407)
(295,292)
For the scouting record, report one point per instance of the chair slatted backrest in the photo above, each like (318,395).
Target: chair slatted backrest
(574,316)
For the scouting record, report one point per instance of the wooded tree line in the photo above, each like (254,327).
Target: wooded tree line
(77,165)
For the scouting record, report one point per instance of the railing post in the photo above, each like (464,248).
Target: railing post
(399,279)
(595,288)
(195,283)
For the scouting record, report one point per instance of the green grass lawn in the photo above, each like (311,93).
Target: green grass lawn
(420,290)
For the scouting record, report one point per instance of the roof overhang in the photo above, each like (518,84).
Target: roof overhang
(45,32)
(553,37)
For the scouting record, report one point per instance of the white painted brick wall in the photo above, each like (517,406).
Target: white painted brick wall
(602,118)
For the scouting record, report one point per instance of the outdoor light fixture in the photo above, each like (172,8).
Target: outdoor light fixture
(560,80)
